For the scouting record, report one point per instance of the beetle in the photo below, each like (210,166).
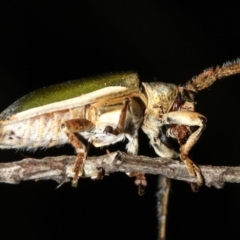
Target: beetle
(104,110)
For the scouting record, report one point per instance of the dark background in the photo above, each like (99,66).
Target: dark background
(47,43)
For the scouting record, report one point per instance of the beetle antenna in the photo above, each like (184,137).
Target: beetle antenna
(209,76)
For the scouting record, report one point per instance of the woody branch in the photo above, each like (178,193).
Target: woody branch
(60,169)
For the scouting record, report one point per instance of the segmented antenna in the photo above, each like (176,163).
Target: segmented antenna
(209,76)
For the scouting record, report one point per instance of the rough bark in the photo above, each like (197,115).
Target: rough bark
(60,169)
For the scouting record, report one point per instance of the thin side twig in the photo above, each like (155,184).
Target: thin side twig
(164,185)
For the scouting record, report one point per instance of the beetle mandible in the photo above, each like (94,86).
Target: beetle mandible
(105,110)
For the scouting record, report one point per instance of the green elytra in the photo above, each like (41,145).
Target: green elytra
(70,89)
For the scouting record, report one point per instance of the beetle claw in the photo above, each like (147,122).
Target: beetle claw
(193,170)
(194,187)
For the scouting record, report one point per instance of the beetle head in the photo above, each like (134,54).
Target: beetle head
(186,99)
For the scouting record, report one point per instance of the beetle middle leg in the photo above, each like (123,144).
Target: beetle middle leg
(72,128)
(181,126)
(126,116)
(129,122)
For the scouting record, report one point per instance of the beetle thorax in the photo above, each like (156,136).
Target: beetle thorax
(161,95)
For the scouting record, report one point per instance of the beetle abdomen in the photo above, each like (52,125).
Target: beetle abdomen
(41,131)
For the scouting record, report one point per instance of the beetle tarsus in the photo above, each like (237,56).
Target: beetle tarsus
(194,187)
(78,168)
(193,169)
(140,181)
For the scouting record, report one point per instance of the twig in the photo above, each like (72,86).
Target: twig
(60,169)
(164,185)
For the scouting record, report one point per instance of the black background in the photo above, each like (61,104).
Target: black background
(43,43)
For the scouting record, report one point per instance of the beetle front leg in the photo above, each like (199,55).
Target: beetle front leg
(181,127)
(72,128)
(152,128)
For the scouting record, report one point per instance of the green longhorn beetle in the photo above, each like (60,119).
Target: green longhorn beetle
(105,110)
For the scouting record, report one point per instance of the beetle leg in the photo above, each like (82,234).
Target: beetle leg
(122,119)
(181,127)
(72,128)
(140,181)
(132,125)
(129,122)
(130,119)
(152,127)
(132,146)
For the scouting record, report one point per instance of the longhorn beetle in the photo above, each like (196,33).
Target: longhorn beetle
(105,110)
